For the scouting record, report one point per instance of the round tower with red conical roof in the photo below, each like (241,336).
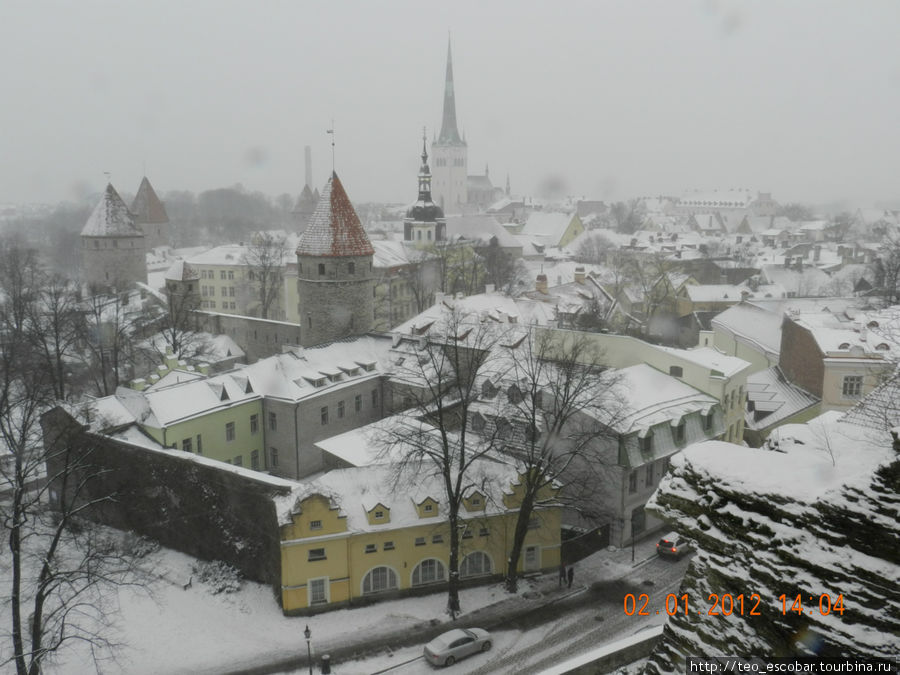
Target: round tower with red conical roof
(335,282)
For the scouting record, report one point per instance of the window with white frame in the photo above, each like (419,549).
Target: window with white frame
(318,591)
(428,572)
(475,564)
(852,386)
(379,579)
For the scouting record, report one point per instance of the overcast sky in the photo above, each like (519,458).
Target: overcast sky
(607,99)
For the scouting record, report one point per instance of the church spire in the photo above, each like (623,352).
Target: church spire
(424,173)
(449,133)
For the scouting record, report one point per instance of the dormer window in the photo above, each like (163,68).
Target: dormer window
(429,508)
(513,394)
(844,345)
(883,347)
(644,443)
(379,515)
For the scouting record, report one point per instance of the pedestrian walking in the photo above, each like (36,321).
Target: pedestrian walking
(570,575)
(562,574)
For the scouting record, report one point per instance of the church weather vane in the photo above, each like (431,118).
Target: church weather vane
(331,132)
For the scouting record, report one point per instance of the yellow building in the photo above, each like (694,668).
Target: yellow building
(351,536)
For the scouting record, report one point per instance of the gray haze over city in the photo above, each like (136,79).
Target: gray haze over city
(597,99)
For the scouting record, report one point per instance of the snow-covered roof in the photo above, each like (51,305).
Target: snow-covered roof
(334,228)
(715,292)
(355,489)
(547,227)
(652,397)
(302,373)
(733,198)
(711,359)
(111,218)
(226,254)
(773,398)
(181,271)
(481,228)
(493,307)
(757,326)
(869,333)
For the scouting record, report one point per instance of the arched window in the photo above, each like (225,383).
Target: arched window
(475,564)
(380,579)
(429,571)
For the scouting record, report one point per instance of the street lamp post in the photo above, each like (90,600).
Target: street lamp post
(307,633)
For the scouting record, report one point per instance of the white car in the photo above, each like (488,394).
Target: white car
(448,648)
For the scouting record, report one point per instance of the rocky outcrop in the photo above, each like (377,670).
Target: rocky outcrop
(818,517)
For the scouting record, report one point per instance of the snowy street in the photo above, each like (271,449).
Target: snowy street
(544,638)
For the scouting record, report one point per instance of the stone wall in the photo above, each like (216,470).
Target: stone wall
(335,303)
(181,501)
(116,262)
(258,338)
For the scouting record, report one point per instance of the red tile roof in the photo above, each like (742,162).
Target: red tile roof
(146,206)
(334,229)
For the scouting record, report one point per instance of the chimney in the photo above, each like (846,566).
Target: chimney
(307,151)
(438,298)
(744,295)
(579,274)
(817,252)
(541,284)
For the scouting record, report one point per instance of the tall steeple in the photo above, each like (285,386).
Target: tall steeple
(450,155)
(449,132)
(424,222)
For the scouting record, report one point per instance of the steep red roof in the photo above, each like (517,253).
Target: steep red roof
(334,228)
(146,206)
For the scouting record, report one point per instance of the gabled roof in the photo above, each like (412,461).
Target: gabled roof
(111,218)
(334,229)
(181,271)
(146,207)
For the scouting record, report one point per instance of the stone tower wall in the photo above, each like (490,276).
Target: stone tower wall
(114,261)
(332,302)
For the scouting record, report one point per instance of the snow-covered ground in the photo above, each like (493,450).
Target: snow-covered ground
(172,629)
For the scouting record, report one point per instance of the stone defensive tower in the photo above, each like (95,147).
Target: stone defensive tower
(150,215)
(335,282)
(112,246)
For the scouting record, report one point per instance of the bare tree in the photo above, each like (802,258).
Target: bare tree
(111,323)
(595,248)
(55,327)
(435,378)
(627,217)
(887,270)
(265,259)
(550,409)
(54,585)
